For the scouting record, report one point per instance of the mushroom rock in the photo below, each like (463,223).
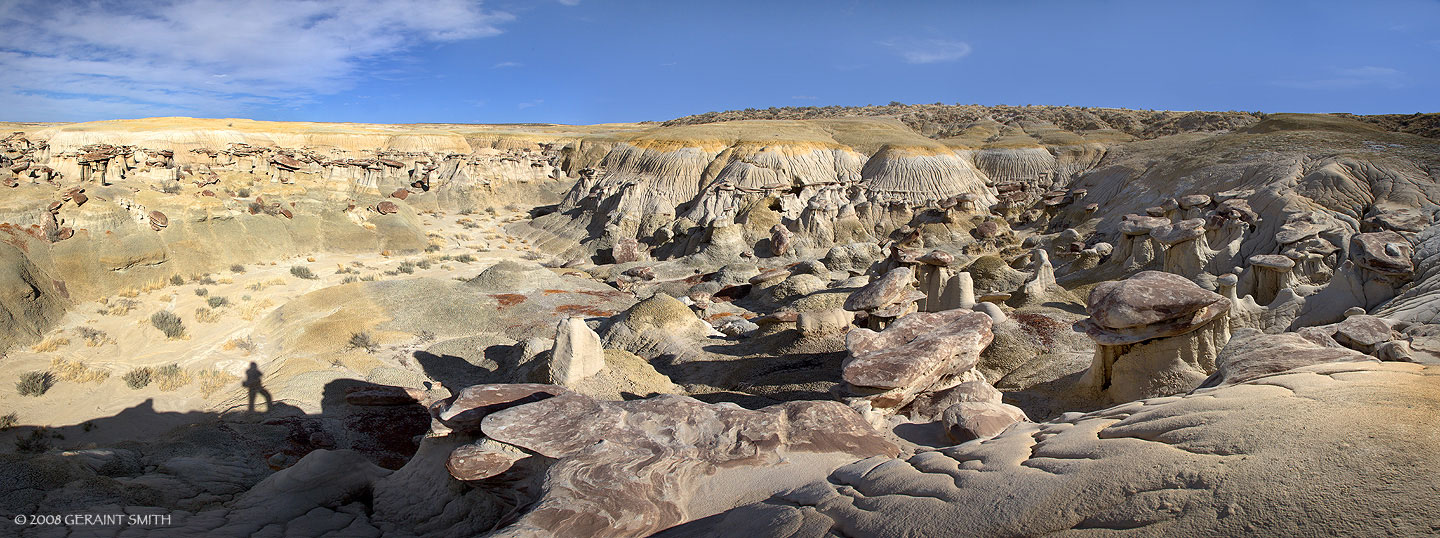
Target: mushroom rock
(780,239)
(577,353)
(54,207)
(400,193)
(944,288)
(1267,275)
(1156,334)
(1137,248)
(882,291)
(483,459)
(1193,201)
(1384,253)
(287,213)
(286,162)
(386,207)
(158,220)
(636,467)
(1252,354)
(1186,251)
(922,352)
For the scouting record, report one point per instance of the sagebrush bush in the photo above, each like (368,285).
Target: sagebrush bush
(302,272)
(138,378)
(177,280)
(201,292)
(9,420)
(237,268)
(464,258)
(35,383)
(216,301)
(432,248)
(363,340)
(168,323)
(406,267)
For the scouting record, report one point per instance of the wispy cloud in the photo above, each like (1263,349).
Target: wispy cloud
(1368,76)
(570,2)
(503,65)
(528,104)
(66,61)
(928,51)
(804,97)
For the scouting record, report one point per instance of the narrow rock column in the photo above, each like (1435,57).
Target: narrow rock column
(577,353)
(1268,274)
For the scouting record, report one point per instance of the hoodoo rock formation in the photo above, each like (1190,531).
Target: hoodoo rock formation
(912,320)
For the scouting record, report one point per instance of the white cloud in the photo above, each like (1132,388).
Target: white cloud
(503,65)
(1368,76)
(528,104)
(69,61)
(928,51)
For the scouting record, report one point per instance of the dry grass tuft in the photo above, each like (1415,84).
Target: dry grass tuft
(171,377)
(267,283)
(77,371)
(51,344)
(213,380)
(254,310)
(207,315)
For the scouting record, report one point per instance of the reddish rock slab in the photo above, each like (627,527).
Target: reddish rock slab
(476,401)
(386,207)
(883,291)
(916,350)
(631,468)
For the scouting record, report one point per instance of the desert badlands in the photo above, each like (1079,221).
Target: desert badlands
(910,320)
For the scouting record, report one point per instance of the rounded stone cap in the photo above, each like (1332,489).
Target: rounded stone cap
(1156,211)
(1228,279)
(1140,224)
(1151,304)
(1273,261)
(1194,200)
(1170,204)
(1185,230)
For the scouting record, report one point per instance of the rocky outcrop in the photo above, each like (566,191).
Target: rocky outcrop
(1156,334)
(922,352)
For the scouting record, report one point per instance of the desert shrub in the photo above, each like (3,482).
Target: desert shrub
(367,278)
(363,340)
(202,292)
(465,258)
(168,323)
(349,279)
(425,337)
(469,224)
(213,380)
(177,280)
(253,310)
(171,188)
(35,443)
(206,280)
(267,283)
(9,420)
(51,344)
(432,248)
(245,344)
(77,371)
(423,264)
(407,267)
(302,272)
(531,255)
(242,193)
(237,268)
(35,383)
(93,337)
(207,315)
(138,378)
(216,301)
(119,307)
(171,377)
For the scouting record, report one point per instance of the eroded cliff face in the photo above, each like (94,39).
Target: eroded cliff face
(100,207)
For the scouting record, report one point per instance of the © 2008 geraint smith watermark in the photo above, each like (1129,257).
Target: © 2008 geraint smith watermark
(94,520)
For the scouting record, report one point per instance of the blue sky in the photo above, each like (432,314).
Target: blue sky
(593,61)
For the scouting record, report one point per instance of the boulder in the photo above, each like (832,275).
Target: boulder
(921,352)
(577,353)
